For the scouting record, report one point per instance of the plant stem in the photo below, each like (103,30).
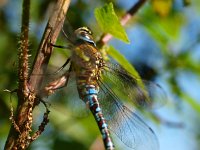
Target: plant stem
(50,35)
(18,125)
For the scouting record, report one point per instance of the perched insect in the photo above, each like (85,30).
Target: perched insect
(104,86)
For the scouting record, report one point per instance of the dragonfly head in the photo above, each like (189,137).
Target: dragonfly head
(85,34)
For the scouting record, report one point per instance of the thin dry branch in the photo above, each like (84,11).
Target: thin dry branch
(50,35)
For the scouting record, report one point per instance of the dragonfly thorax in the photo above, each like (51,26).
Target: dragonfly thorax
(87,64)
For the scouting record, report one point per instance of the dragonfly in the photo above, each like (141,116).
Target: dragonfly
(109,90)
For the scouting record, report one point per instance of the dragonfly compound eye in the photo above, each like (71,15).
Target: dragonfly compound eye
(85,34)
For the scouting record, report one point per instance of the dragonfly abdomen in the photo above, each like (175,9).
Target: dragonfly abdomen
(91,98)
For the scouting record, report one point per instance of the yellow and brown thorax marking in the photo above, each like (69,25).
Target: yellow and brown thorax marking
(86,63)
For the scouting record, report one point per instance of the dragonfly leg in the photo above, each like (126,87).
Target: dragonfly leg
(59,46)
(63,66)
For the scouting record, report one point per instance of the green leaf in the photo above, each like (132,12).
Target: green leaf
(109,22)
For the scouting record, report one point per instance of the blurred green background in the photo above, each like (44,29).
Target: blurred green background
(164,48)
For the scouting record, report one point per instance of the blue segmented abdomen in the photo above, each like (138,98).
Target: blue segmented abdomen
(91,98)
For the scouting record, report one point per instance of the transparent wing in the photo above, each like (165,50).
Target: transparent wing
(61,87)
(126,124)
(71,98)
(141,93)
(68,96)
(117,86)
(51,77)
